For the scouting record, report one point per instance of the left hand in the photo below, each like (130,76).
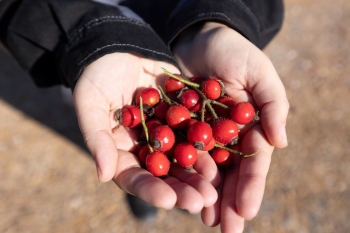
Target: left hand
(213,49)
(108,84)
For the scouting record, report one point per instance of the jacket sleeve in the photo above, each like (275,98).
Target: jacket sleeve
(259,21)
(53,40)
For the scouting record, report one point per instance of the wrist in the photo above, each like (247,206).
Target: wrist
(196,30)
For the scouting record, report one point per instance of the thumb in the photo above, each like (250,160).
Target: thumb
(94,123)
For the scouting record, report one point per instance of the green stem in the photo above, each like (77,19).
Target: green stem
(165,97)
(212,111)
(203,110)
(193,115)
(236,151)
(187,82)
(144,126)
(220,104)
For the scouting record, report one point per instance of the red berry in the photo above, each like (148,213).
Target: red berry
(151,125)
(189,98)
(243,113)
(191,122)
(185,154)
(224,131)
(172,84)
(221,157)
(197,107)
(150,97)
(224,112)
(143,152)
(161,109)
(162,138)
(207,116)
(177,116)
(197,79)
(210,145)
(129,116)
(157,163)
(211,88)
(199,134)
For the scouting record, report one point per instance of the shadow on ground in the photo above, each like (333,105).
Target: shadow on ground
(45,105)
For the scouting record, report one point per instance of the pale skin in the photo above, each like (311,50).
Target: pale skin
(227,199)
(105,86)
(213,49)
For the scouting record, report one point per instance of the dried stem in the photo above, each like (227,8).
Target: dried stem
(187,82)
(236,151)
(165,97)
(144,126)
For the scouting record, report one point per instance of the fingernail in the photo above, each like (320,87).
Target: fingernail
(99,173)
(284,137)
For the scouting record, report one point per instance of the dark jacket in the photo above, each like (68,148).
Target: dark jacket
(53,40)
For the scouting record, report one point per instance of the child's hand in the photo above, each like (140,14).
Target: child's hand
(105,86)
(213,49)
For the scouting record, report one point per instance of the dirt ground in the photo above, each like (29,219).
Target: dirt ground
(48,180)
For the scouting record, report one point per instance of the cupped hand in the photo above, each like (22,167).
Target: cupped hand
(105,86)
(213,49)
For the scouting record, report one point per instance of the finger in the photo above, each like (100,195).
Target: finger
(197,181)
(206,166)
(188,198)
(270,96)
(94,121)
(253,172)
(231,220)
(95,126)
(137,181)
(211,215)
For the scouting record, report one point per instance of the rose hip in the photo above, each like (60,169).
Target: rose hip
(161,109)
(224,131)
(150,97)
(224,112)
(221,157)
(143,152)
(211,88)
(199,134)
(172,85)
(158,164)
(243,113)
(129,116)
(210,146)
(189,98)
(178,116)
(151,125)
(162,138)
(185,154)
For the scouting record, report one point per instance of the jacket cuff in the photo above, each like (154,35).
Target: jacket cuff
(90,42)
(233,13)
(55,40)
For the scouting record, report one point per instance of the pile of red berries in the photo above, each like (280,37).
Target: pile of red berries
(182,117)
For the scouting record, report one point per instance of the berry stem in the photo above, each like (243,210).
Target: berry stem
(193,115)
(212,111)
(144,126)
(165,97)
(208,102)
(236,151)
(222,85)
(220,104)
(256,116)
(203,110)
(187,82)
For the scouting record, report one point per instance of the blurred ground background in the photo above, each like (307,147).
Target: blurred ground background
(48,181)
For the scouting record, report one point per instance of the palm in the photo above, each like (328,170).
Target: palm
(219,51)
(105,86)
